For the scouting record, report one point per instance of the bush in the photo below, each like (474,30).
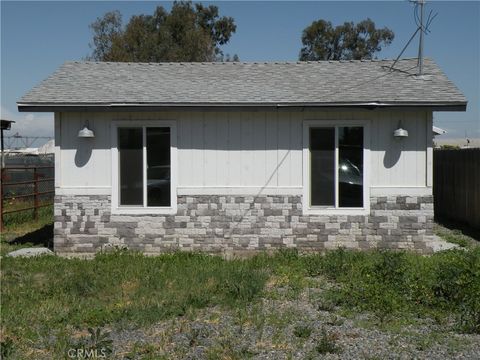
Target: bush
(302,331)
(390,283)
(327,344)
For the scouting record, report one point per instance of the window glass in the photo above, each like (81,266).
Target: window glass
(322,166)
(350,166)
(130,153)
(158,166)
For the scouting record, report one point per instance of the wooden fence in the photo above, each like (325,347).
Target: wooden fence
(456,185)
(24,188)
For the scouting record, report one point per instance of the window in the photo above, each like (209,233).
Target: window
(335,167)
(143,170)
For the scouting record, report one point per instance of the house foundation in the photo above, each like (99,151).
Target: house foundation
(85,225)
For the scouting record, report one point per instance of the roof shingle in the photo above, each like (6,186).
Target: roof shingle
(315,83)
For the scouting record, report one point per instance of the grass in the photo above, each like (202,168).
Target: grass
(21,221)
(457,236)
(55,295)
(122,288)
(22,230)
(302,331)
(327,344)
(52,296)
(49,303)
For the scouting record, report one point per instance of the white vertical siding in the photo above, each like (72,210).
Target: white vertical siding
(429,154)
(257,149)
(399,162)
(58,150)
(241,149)
(185,132)
(284,151)
(84,162)
(271,146)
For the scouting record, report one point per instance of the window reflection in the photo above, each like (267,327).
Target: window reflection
(322,166)
(350,166)
(130,152)
(158,166)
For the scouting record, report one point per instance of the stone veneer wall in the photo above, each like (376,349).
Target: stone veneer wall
(235,224)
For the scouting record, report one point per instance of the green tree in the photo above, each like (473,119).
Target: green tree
(322,41)
(187,33)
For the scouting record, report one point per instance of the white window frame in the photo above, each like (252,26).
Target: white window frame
(144,210)
(327,210)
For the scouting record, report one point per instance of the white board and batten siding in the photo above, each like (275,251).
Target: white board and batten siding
(246,153)
(229,151)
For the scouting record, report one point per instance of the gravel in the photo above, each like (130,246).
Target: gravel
(265,330)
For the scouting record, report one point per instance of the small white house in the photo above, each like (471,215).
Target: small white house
(234,157)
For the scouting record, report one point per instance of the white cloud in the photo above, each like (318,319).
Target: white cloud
(29,124)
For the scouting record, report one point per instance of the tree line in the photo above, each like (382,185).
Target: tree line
(194,32)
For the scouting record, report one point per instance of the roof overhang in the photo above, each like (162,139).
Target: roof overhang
(438,131)
(54,107)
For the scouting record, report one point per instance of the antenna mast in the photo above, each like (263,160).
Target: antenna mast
(424,30)
(420,44)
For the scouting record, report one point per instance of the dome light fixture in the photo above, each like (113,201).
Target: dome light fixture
(400,133)
(86,132)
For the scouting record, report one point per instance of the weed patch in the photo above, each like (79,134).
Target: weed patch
(119,288)
(391,283)
(47,300)
(302,331)
(327,343)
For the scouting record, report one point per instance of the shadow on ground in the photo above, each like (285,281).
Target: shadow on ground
(465,229)
(42,236)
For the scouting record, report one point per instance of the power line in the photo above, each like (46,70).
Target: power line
(17,141)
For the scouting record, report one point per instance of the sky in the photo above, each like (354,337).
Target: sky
(37,37)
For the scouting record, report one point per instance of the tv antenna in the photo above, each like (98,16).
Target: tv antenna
(424,29)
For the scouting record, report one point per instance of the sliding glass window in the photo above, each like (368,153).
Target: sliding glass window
(336,166)
(144,160)
(130,153)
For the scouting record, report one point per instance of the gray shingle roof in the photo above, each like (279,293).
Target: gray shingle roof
(320,83)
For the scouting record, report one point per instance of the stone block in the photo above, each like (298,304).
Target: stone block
(261,222)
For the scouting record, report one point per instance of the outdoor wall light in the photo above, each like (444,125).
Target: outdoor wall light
(86,132)
(400,132)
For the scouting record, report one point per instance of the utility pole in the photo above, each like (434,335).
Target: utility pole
(421,3)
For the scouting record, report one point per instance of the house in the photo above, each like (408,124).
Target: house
(438,131)
(234,157)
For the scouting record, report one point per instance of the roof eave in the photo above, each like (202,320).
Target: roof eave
(53,107)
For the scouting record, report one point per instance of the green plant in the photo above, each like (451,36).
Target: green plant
(97,345)
(7,348)
(119,289)
(241,282)
(325,305)
(449,147)
(455,236)
(44,299)
(302,331)
(143,351)
(335,320)
(326,344)
(469,316)
(100,340)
